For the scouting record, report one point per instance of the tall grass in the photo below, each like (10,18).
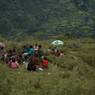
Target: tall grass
(74,74)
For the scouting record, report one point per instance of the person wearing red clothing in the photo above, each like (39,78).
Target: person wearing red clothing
(33,63)
(45,63)
(36,59)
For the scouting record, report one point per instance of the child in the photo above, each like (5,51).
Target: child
(13,64)
(45,63)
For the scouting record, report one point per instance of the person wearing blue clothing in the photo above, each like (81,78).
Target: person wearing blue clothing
(31,51)
(25,52)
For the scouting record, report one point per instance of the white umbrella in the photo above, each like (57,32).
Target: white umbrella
(57,42)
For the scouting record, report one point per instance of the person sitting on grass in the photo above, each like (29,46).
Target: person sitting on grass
(36,59)
(19,58)
(24,49)
(25,52)
(36,47)
(31,66)
(45,63)
(57,53)
(61,54)
(8,56)
(13,64)
(2,53)
(33,63)
(31,51)
(40,53)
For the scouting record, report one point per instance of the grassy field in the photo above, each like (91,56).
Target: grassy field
(72,75)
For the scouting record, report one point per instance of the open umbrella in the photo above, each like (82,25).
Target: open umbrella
(57,42)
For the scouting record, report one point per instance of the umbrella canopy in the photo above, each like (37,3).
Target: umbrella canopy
(57,42)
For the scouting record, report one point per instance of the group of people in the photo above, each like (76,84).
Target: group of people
(56,51)
(33,57)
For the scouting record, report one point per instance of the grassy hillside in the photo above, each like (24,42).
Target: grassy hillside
(72,75)
(20,18)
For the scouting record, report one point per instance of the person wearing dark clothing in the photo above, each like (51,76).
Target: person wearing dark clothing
(31,66)
(40,53)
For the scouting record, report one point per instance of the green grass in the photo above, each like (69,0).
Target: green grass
(72,75)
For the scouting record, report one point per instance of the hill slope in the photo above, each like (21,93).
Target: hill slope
(72,75)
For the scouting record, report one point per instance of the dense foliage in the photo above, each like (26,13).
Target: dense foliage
(48,17)
(74,74)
